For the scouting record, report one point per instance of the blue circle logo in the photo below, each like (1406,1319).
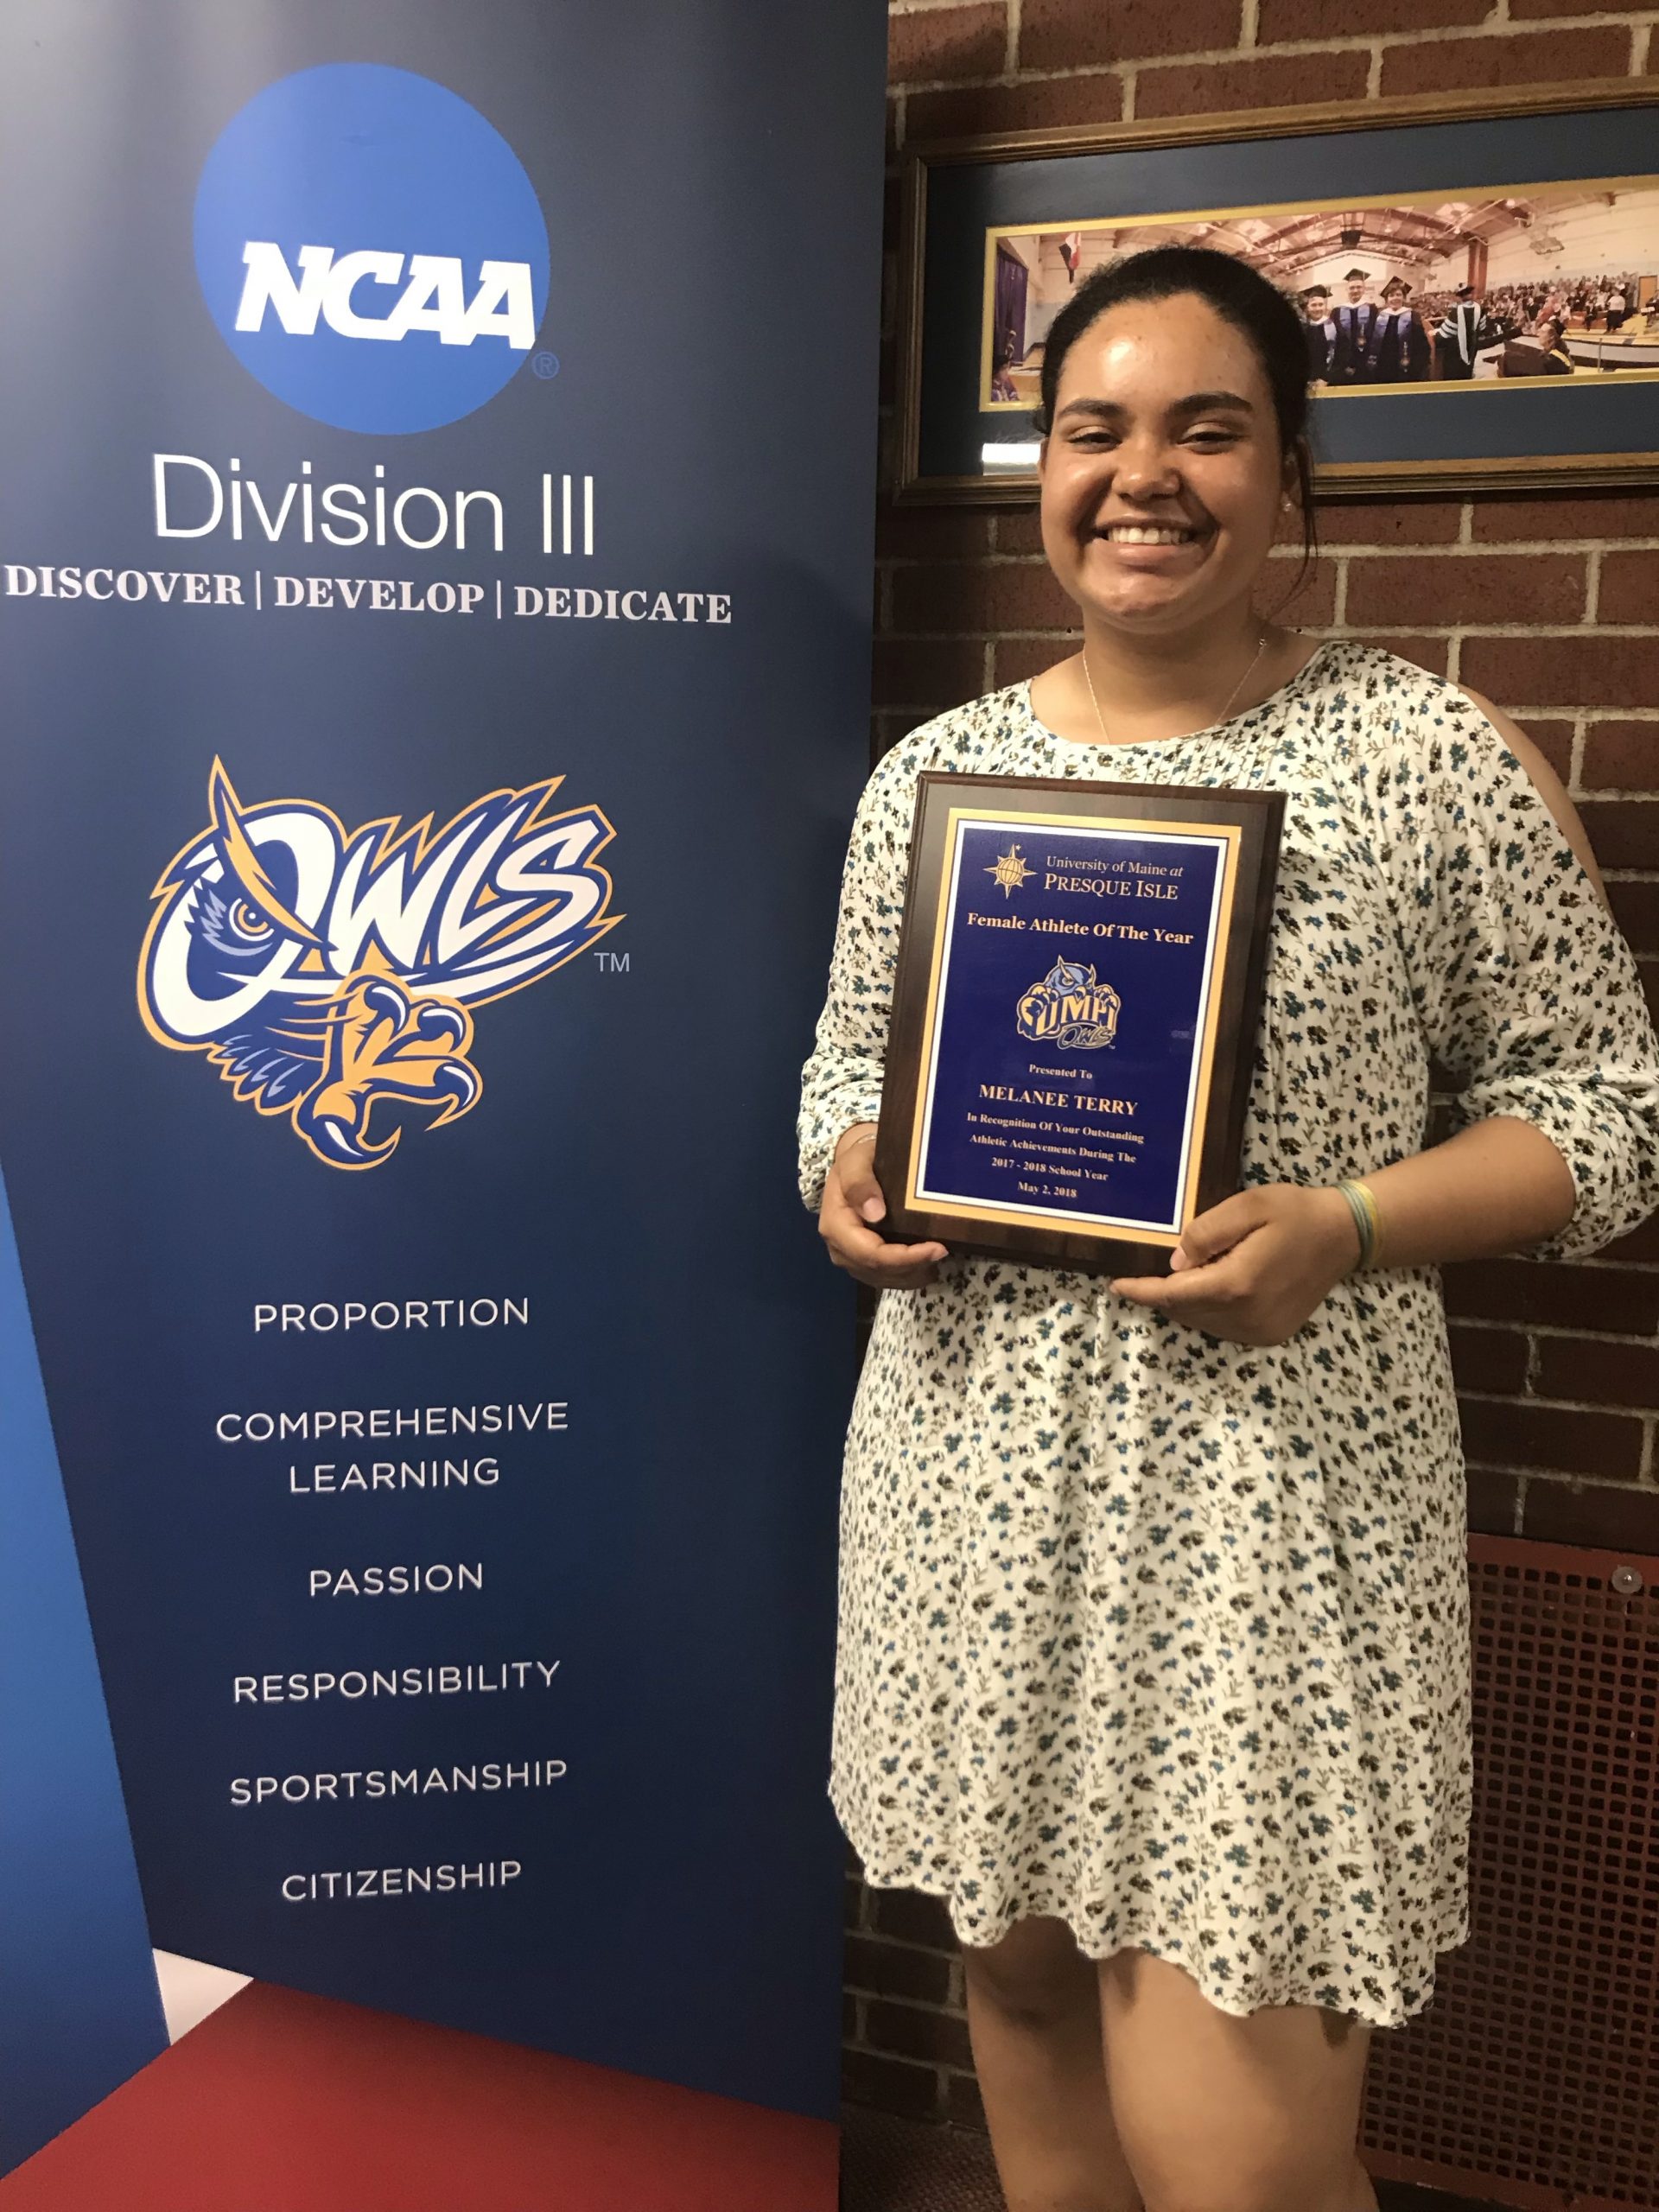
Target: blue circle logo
(371,248)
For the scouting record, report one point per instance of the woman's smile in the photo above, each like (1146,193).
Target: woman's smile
(1147,533)
(1151,548)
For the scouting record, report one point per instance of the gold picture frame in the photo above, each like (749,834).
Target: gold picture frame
(1438,131)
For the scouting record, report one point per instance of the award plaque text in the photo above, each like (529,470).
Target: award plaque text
(1078,986)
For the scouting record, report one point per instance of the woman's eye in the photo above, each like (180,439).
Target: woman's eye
(1095,440)
(1212,434)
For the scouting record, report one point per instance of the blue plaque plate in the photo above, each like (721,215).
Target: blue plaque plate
(1078,986)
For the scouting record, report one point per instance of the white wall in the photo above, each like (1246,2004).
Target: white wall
(1625,236)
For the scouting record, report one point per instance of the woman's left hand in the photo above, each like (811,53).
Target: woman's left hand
(1255,1267)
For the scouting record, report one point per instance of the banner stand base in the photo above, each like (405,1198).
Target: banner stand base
(284,2102)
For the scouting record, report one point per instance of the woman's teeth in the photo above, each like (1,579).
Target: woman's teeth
(1135,533)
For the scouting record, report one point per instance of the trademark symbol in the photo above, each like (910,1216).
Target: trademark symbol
(545,366)
(612,964)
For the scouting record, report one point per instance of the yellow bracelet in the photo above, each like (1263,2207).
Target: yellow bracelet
(1369,1196)
(1362,1201)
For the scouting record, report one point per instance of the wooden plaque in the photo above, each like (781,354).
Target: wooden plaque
(1079,982)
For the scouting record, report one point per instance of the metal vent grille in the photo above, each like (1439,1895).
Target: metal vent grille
(1532,2078)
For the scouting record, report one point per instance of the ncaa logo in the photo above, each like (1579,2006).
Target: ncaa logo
(371,248)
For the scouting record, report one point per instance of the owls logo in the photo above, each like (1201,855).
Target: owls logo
(331,976)
(1069,1009)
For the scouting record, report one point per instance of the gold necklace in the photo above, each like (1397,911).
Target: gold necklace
(1261,646)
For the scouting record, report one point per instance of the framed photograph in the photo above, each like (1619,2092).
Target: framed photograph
(1079,979)
(1478,279)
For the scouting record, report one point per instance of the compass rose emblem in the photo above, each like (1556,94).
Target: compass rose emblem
(1009,870)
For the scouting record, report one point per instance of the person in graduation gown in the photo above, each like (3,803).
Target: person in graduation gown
(1398,353)
(1319,331)
(1466,330)
(1558,362)
(1355,320)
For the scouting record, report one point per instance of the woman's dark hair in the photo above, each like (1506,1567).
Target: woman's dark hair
(1239,296)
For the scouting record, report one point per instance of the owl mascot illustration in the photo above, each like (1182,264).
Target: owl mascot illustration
(332,977)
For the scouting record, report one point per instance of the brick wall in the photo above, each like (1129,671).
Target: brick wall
(1550,606)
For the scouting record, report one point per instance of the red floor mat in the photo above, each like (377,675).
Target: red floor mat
(281,2102)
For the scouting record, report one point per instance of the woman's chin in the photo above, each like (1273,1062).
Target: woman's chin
(1150,603)
(1151,586)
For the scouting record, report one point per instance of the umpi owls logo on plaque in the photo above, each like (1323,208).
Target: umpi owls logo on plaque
(1070,1009)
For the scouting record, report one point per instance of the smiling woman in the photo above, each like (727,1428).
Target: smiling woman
(1153,1656)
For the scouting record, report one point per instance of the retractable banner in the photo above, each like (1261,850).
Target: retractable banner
(434,538)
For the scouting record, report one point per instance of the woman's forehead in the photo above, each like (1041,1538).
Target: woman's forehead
(1144,344)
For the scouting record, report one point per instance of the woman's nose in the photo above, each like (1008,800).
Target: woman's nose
(1145,470)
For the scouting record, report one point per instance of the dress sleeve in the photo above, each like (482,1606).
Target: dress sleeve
(1526,991)
(840,1083)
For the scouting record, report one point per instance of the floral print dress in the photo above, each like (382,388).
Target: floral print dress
(1163,1634)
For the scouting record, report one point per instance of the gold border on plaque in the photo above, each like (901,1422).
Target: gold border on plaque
(1227,834)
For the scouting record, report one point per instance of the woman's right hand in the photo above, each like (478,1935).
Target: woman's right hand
(852,1201)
